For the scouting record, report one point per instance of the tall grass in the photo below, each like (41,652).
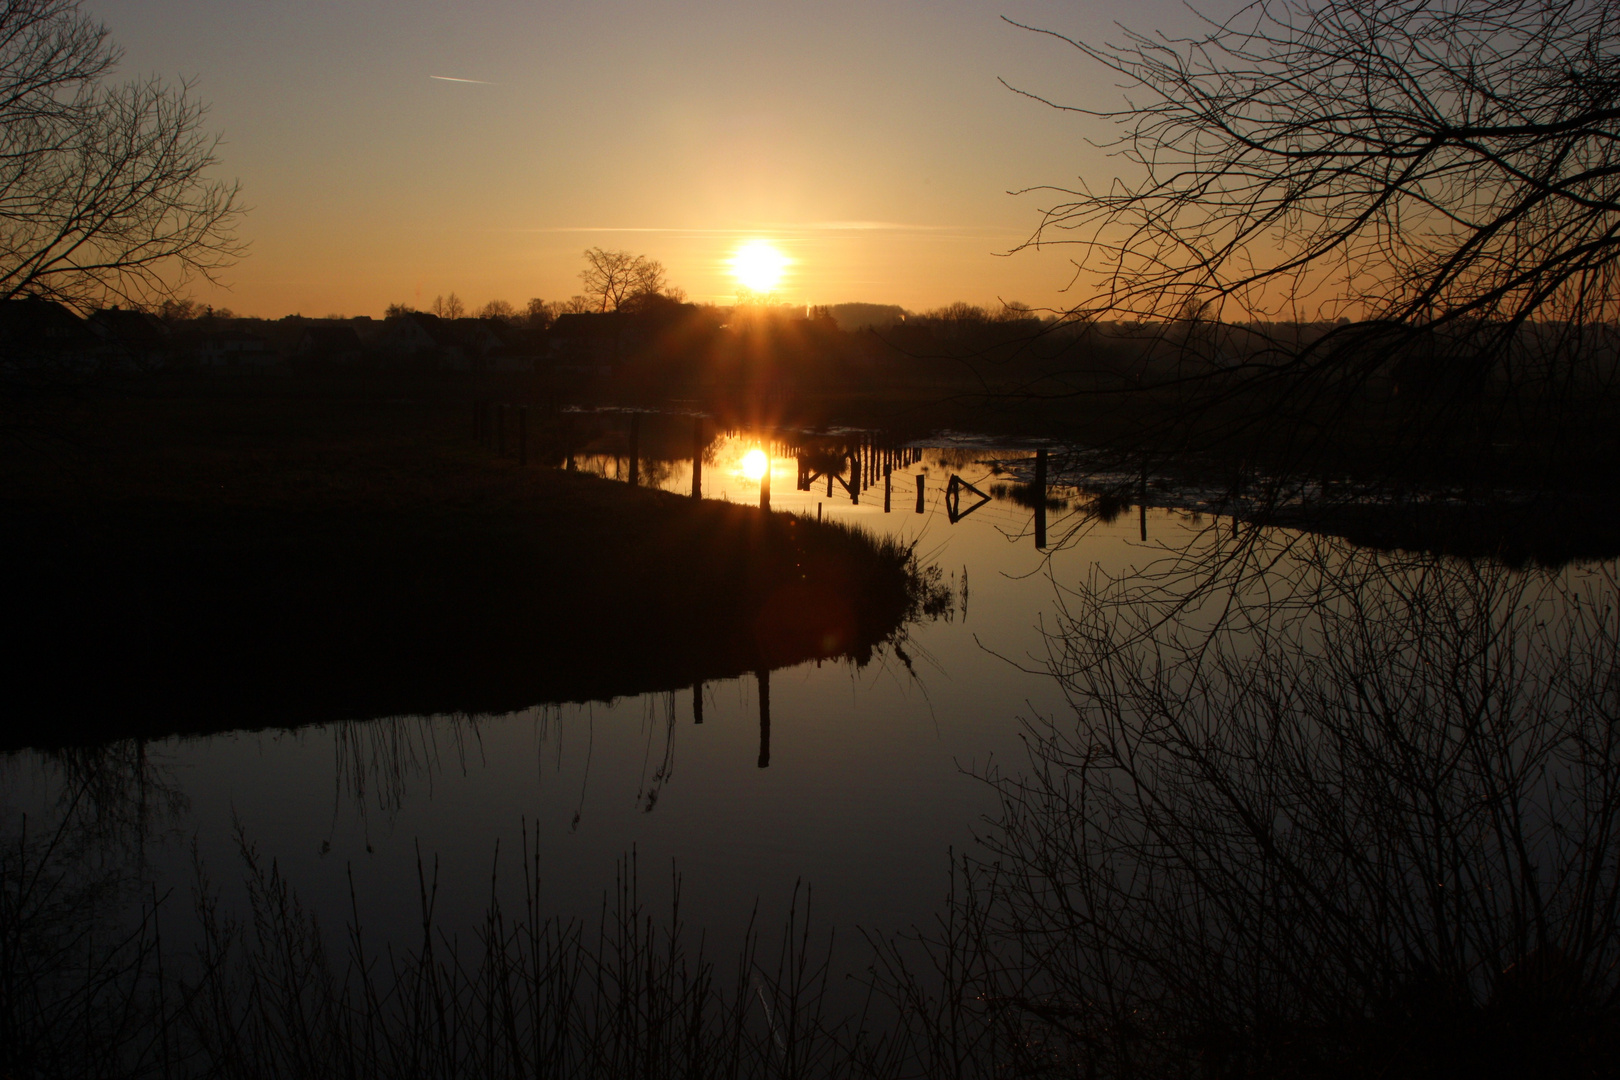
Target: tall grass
(268,990)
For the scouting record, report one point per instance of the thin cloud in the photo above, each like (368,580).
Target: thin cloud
(452,78)
(637,229)
(779,229)
(873,226)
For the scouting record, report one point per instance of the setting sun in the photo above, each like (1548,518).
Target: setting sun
(758,266)
(754,464)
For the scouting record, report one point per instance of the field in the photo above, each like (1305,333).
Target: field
(244,556)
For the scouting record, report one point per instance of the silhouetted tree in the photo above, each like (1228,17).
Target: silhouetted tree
(448,307)
(1415,161)
(613,277)
(104,192)
(539,313)
(1446,174)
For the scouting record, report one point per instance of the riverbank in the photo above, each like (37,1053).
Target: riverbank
(190,564)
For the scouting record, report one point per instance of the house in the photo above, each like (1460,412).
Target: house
(142,338)
(330,344)
(233,349)
(589,344)
(44,335)
(425,340)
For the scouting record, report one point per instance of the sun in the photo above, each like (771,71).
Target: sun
(758,266)
(754,464)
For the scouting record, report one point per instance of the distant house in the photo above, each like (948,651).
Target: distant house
(330,344)
(455,344)
(43,334)
(498,346)
(423,339)
(590,344)
(143,339)
(233,349)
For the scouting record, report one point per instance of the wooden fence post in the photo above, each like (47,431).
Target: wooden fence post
(921,479)
(1040,499)
(635,449)
(1141,512)
(697,460)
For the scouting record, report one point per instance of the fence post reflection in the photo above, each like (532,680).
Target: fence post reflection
(697,463)
(764,675)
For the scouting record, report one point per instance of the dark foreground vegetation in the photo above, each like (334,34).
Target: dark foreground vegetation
(182,562)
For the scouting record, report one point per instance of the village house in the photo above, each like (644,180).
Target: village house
(43,335)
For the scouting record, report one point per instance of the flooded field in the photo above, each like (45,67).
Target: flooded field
(1064,626)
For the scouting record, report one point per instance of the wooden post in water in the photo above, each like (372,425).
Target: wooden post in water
(920,480)
(635,449)
(855,480)
(829,485)
(764,718)
(1040,499)
(697,702)
(697,461)
(765,485)
(523,434)
(888,487)
(1141,505)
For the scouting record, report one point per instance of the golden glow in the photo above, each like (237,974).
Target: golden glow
(754,464)
(758,266)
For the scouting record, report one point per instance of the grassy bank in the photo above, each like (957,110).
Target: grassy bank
(187,563)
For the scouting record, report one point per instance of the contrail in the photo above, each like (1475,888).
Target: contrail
(452,78)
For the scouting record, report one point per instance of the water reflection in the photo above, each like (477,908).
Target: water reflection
(1311,807)
(375,762)
(1284,795)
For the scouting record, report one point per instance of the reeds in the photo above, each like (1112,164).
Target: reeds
(268,992)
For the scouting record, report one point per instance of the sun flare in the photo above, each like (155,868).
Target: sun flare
(754,464)
(758,266)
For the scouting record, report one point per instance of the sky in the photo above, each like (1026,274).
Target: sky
(871,143)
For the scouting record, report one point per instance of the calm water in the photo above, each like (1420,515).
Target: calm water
(870,778)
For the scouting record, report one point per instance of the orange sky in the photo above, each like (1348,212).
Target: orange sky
(870,141)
